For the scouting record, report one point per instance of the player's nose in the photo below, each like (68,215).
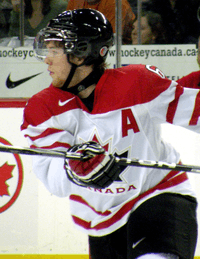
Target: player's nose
(48,60)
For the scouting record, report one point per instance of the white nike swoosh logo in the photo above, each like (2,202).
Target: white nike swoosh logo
(60,103)
(137,243)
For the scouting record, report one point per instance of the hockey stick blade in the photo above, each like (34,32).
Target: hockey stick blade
(122,161)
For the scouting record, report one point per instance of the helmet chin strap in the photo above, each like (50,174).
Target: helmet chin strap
(69,78)
(91,79)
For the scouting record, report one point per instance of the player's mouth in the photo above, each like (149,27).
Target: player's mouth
(50,73)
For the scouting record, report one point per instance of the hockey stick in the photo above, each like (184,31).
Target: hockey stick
(38,152)
(121,161)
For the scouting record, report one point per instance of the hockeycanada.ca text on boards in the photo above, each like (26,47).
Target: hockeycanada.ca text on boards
(16,53)
(146,53)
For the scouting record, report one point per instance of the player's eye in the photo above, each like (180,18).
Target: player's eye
(55,52)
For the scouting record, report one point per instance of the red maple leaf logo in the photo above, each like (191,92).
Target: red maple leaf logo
(5,174)
(96,140)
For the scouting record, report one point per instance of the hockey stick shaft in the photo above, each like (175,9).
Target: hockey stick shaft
(38,152)
(121,161)
(158,165)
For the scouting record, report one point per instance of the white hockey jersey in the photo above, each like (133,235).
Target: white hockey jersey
(130,103)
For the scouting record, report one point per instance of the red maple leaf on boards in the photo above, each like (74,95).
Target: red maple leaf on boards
(5,174)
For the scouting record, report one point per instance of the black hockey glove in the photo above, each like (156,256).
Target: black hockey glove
(96,170)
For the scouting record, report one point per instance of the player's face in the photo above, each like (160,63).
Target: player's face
(147,36)
(58,66)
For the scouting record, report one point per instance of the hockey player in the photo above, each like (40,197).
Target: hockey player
(127,212)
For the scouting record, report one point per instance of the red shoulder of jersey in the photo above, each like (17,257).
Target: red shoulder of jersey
(190,81)
(129,85)
(46,103)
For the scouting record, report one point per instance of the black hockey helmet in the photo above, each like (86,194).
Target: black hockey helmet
(86,33)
